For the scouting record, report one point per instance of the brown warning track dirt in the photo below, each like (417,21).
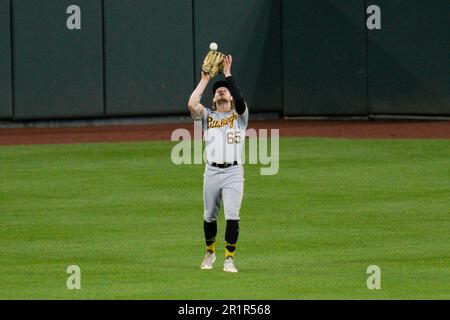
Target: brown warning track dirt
(299,128)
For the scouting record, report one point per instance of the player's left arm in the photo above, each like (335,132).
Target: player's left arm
(239,102)
(194,105)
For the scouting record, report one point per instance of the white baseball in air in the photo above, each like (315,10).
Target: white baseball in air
(213,46)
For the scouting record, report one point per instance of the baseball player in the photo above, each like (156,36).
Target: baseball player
(224,126)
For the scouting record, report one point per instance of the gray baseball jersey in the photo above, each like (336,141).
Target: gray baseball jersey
(224,135)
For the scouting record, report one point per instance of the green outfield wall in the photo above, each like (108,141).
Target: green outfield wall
(148,56)
(409,58)
(58,72)
(5,60)
(251,31)
(324,58)
(78,59)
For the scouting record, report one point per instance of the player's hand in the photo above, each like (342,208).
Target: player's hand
(227,65)
(205,76)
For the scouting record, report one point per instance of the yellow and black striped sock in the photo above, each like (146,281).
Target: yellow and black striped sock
(211,245)
(229,249)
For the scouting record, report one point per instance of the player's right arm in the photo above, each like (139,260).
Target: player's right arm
(194,104)
(239,102)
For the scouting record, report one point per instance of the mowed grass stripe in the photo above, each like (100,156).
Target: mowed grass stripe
(133,222)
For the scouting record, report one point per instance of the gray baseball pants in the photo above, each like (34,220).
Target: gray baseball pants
(226,185)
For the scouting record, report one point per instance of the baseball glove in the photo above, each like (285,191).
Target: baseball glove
(213,63)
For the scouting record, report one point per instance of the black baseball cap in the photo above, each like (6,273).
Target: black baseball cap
(219,84)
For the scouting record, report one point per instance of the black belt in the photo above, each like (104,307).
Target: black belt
(224,165)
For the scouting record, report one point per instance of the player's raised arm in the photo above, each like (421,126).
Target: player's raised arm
(239,102)
(194,104)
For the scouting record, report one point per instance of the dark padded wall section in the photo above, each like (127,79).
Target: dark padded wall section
(5,61)
(148,56)
(250,31)
(324,57)
(58,72)
(409,58)
(294,57)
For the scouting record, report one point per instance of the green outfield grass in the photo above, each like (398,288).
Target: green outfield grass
(133,222)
